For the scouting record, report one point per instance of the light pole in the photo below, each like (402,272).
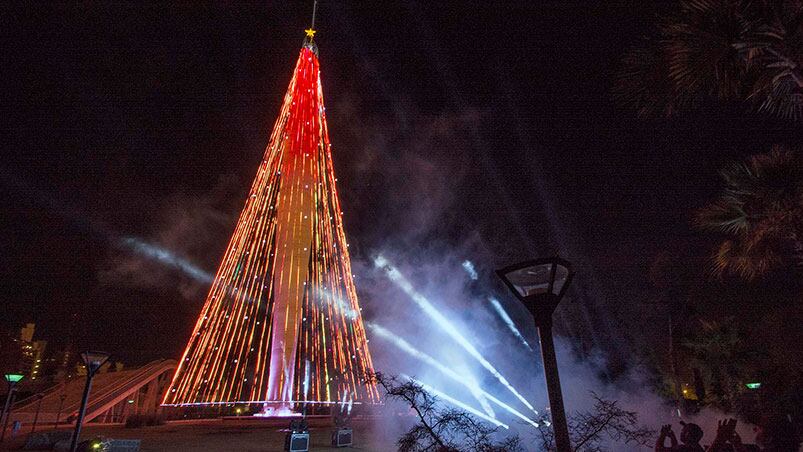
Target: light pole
(539,285)
(39,398)
(92,361)
(12,380)
(58,413)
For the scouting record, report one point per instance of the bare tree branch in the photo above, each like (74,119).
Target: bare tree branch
(440,429)
(591,431)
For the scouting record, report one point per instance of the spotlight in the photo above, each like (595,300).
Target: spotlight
(342,437)
(297,439)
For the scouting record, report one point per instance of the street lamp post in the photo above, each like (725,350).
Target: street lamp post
(539,285)
(58,413)
(93,361)
(12,380)
(39,398)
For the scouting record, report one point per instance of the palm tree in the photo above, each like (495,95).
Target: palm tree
(775,44)
(749,51)
(701,47)
(718,350)
(642,84)
(760,214)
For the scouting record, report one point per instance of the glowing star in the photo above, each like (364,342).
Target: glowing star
(310,33)
(281,323)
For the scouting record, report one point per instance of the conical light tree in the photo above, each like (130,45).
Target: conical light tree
(281,323)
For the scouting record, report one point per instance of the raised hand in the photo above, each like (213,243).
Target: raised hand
(726,429)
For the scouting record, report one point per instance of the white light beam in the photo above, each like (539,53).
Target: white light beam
(445,324)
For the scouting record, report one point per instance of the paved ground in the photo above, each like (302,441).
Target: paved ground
(233,435)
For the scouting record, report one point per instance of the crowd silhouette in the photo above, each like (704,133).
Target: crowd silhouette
(774,433)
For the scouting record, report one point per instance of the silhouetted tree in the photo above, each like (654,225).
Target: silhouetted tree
(594,431)
(760,213)
(749,51)
(719,351)
(440,429)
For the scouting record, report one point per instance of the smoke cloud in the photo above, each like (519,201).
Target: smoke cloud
(181,249)
(423,219)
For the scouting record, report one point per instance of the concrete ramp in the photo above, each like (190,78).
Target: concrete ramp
(114,397)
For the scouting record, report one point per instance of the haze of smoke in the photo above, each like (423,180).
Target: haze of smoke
(188,238)
(429,237)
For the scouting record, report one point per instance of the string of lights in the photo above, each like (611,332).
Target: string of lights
(284,294)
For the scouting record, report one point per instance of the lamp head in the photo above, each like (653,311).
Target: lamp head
(94,359)
(540,284)
(13,379)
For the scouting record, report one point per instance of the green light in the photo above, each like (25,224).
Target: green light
(755,385)
(130,401)
(96,446)
(13,378)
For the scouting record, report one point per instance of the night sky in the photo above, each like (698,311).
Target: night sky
(489,122)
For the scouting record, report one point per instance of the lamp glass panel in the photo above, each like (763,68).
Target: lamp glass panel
(13,378)
(94,359)
(561,274)
(530,280)
(534,280)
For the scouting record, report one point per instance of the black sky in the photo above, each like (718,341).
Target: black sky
(115,114)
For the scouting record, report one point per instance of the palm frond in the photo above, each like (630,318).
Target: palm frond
(761,215)
(703,59)
(641,83)
(745,50)
(774,44)
(747,261)
(723,216)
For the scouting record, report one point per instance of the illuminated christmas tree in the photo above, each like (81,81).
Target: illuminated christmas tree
(281,323)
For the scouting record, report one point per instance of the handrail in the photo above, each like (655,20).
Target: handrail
(105,391)
(133,383)
(33,398)
(74,406)
(117,385)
